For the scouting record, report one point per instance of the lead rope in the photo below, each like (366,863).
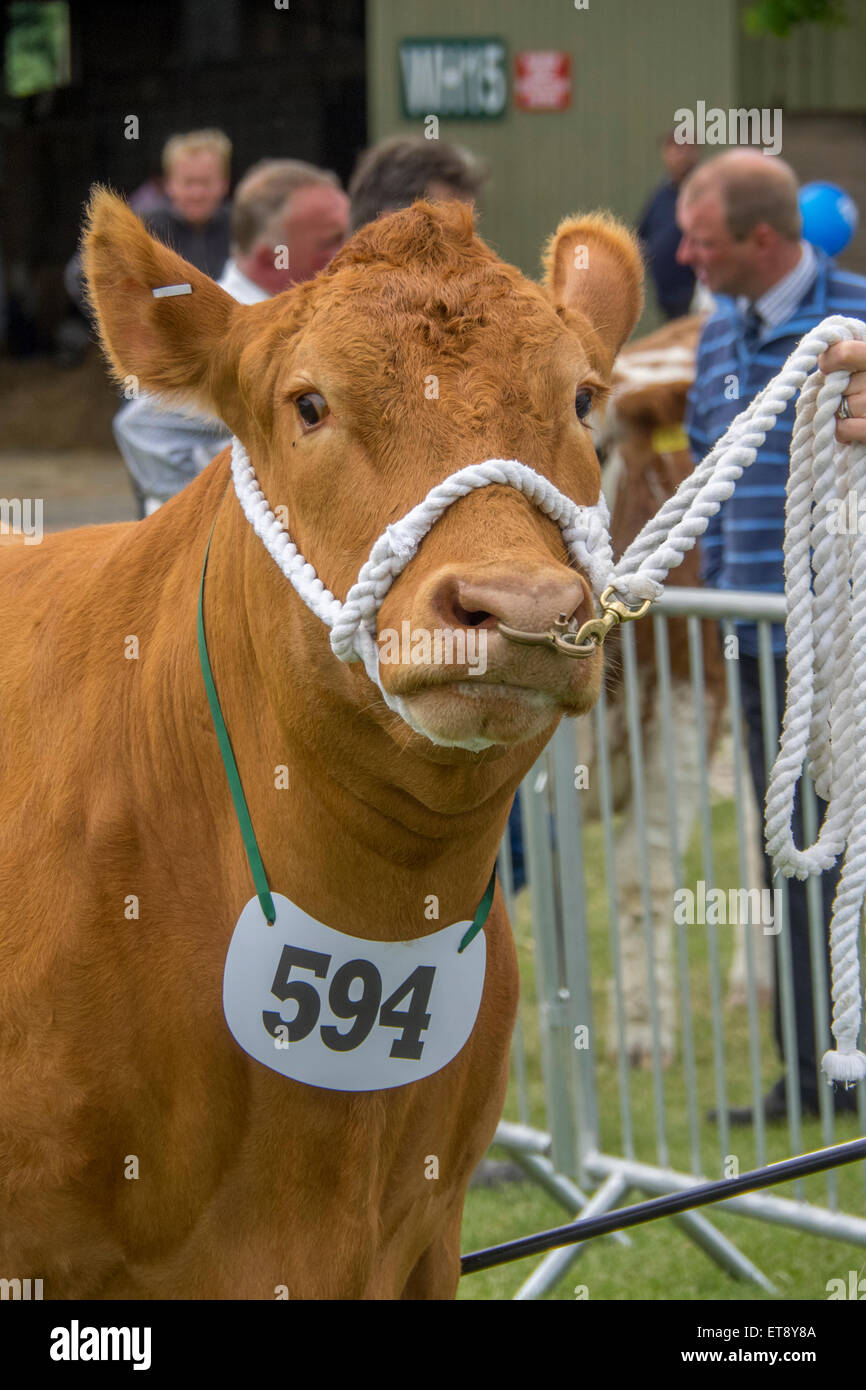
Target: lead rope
(825,627)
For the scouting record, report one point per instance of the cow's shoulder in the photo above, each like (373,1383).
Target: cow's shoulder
(58,557)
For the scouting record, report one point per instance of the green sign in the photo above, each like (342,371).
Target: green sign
(37,47)
(464,79)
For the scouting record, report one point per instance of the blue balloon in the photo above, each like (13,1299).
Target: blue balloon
(829,216)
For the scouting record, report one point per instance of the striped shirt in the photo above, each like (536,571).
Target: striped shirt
(742,545)
(781,299)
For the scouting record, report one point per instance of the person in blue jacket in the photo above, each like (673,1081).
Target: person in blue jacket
(741,234)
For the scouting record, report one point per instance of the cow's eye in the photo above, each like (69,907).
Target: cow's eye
(583,403)
(312,408)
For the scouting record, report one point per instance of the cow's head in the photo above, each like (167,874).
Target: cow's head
(416,352)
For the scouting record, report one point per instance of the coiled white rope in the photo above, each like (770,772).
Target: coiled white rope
(825,714)
(826,632)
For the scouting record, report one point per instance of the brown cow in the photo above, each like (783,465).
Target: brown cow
(144,1153)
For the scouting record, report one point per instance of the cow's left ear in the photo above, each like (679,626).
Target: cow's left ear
(593,266)
(172,343)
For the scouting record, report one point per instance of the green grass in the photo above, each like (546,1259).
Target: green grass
(662,1262)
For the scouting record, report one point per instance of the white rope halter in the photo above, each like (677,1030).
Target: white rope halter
(825,721)
(353,623)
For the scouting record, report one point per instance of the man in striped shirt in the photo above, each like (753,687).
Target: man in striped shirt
(740,224)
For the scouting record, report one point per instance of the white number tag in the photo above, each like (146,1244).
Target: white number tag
(343,1012)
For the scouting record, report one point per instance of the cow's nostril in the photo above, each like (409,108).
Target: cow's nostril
(476,618)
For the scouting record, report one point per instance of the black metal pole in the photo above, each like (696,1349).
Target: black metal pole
(670,1205)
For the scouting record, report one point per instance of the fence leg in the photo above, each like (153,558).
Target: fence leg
(528,1147)
(704,1234)
(555,1264)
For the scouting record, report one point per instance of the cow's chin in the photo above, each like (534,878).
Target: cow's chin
(475,715)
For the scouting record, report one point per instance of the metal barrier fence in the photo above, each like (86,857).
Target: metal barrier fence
(589,1160)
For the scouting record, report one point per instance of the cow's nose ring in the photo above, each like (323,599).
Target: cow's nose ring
(584,640)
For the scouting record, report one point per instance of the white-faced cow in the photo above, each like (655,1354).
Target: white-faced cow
(144,1152)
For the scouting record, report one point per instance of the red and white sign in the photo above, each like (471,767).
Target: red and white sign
(542,81)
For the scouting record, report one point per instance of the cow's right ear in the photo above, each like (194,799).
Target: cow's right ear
(593,266)
(171,344)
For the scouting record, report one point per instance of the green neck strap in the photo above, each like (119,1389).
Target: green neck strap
(254,859)
(480,913)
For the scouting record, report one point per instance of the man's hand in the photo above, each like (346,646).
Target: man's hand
(849,357)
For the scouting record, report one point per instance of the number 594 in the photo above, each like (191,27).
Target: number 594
(366,1009)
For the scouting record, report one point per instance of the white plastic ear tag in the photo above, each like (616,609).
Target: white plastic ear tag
(343,1012)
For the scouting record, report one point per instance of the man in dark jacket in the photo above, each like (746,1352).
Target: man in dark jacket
(660,236)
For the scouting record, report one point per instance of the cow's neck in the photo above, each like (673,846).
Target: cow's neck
(360,829)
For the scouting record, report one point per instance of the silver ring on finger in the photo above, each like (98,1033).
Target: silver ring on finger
(844,411)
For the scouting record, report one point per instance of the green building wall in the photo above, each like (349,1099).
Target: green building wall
(634,63)
(816,68)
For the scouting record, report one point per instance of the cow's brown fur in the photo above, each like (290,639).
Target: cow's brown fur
(112,1036)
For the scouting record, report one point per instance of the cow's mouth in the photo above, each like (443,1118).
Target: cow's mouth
(477,713)
(483,689)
